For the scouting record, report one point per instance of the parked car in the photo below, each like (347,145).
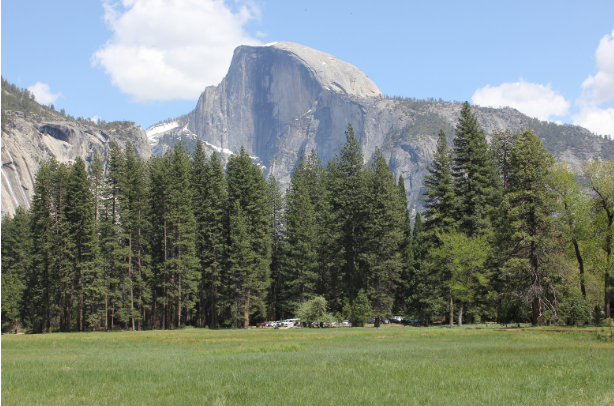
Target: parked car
(346,323)
(396,319)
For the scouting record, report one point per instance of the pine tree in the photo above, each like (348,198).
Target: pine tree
(210,208)
(39,290)
(111,239)
(277,235)
(182,260)
(82,228)
(384,237)
(247,188)
(439,196)
(63,276)
(525,232)
(406,250)
(501,146)
(135,223)
(158,185)
(300,259)
(347,196)
(476,185)
(16,265)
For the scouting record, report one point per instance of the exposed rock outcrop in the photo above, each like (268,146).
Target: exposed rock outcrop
(26,142)
(283,97)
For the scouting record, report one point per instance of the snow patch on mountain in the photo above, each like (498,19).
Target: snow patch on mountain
(154,132)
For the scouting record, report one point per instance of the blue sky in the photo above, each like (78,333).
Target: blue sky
(148,60)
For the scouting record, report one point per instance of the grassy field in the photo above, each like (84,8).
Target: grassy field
(360,366)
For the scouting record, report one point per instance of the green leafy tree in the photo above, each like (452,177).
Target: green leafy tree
(361,309)
(600,175)
(464,260)
(573,210)
(314,310)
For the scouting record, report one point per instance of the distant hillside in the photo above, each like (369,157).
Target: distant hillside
(31,132)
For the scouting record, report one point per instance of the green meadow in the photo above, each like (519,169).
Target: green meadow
(392,365)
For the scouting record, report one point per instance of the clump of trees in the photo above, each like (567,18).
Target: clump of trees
(178,240)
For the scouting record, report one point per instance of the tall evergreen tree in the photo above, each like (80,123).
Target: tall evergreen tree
(526,231)
(348,201)
(16,265)
(277,235)
(384,237)
(83,233)
(300,260)
(406,250)
(158,185)
(210,207)
(439,196)
(247,189)
(476,185)
(182,260)
(39,292)
(112,251)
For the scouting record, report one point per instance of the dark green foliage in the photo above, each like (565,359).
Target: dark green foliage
(361,309)
(210,208)
(16,263)
(277,236)
(384,236)
(348,199)
(439,196)
(476,185)
(249,218)
(300,247)
(575,308)
(179,241)
(525,233)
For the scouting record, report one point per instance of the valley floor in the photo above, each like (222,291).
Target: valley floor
(392,365)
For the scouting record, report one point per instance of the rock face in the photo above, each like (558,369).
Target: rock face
(26,142)
(283,97)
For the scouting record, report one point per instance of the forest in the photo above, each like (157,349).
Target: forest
(506,235)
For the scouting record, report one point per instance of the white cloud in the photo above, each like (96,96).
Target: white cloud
(600,88)
(43,94)
(94,119)
(599,121)
(171,49)
(532,99)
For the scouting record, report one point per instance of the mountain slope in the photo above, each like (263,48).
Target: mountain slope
(31,132)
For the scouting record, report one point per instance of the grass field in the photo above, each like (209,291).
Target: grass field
(360,366)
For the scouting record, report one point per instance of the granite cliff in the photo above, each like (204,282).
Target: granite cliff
(283,97)
(37,132)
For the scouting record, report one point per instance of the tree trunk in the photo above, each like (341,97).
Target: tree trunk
(461,305)
(580,266)
(535,311)
(451,309)
(178,301)
(246,311)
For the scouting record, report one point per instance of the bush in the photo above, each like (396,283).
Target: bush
(361,311)
(314,310)
(575,308)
